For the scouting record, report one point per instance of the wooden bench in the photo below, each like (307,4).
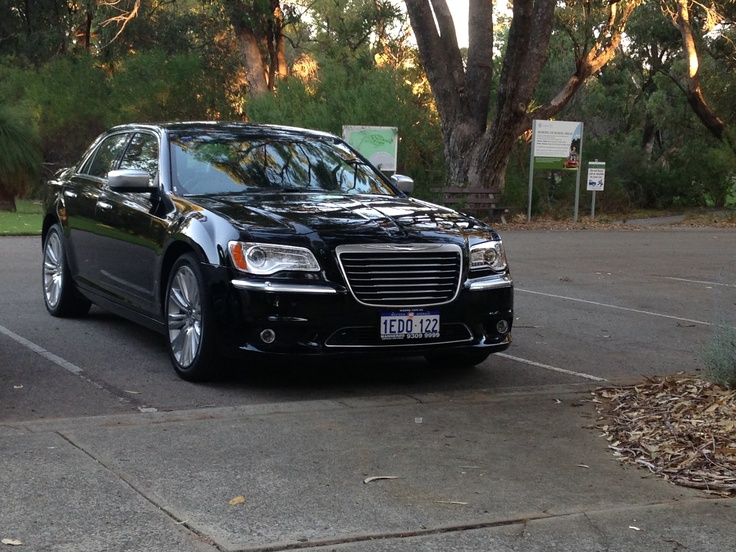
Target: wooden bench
(480,202)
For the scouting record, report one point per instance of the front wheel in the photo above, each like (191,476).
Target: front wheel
(189,321)
(61,298)
(457,359)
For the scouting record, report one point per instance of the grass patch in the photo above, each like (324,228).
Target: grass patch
(26,221)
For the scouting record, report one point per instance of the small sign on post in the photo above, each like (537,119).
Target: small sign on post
(596,181)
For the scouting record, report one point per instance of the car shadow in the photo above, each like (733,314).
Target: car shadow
(295,377)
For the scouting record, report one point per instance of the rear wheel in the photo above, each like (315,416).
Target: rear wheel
(189,324)
(457,359)
(61,298)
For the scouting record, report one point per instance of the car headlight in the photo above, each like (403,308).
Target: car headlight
(265,258)
(488,255)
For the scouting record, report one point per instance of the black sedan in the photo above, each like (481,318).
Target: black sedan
(239,240)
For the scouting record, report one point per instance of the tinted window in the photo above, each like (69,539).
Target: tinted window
(142,153)
(103,160)
(224,162)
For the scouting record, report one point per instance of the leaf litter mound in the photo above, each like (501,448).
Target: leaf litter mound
(680,427)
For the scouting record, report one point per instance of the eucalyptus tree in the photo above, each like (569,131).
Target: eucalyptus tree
(478,146)
(695,21)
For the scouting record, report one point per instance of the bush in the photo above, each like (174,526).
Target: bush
(155,86)
(361,96)
(720,356)
(69,99)
(20,161)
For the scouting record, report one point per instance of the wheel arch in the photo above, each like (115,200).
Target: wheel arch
(173,252)
(194,236)
(48,221)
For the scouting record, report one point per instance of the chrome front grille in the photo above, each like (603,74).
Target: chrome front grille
(412,275)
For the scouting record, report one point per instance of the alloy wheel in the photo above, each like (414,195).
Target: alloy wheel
(184,316)
(53,270)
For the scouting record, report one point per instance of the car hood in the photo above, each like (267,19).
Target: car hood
(338,217)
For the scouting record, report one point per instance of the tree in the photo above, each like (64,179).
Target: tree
(259,30)
(355,30)
(693,89)
(20,161)
(478,149)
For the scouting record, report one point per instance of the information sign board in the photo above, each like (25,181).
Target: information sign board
(378,144)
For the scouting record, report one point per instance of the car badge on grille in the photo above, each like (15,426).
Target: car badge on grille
(401,247)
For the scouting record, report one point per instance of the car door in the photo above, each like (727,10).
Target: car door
(80,201)
(130,232)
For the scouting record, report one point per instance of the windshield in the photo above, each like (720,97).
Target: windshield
(217,163)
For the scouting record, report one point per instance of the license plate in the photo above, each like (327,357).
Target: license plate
(410,325)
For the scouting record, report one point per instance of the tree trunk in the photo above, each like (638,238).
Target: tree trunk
(282,69)
(476,153)
(7,201)
(528,42)
(694,91)
(463,110)
(250,51)
(250,55)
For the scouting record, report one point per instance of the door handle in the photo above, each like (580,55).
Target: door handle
(104,205)
(70,193)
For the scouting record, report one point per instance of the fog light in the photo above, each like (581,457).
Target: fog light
(268,336)
(502,326)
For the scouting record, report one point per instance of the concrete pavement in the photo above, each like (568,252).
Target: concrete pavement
(470,470)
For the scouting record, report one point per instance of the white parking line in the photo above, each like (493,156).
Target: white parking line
(552,368)
(698,281)
(596,303)
(73,368)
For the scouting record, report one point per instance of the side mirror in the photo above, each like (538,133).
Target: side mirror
(130,180)
(403,183)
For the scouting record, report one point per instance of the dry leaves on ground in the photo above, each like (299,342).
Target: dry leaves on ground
(679,427)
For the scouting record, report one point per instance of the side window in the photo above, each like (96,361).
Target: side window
(103,160)
(142,153)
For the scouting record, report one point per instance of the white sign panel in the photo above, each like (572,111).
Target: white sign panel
(596,176)
(378,144)
(556,144)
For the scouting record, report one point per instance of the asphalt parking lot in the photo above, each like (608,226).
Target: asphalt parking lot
(590,306)
(102,447)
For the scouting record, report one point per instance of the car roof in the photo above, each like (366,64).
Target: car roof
(256,129)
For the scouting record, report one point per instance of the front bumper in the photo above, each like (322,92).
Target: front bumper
(287,318)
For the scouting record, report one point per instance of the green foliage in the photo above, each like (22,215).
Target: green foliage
(20,162)
(155,86)
(719,356)
(180,60)
(349,96)
(345,30)
(36,31)
(707,169)
(68,97)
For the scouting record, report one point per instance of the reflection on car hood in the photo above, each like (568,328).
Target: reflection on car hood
(330,215)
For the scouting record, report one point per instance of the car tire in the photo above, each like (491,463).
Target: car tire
(60,296)
(457,359)
(189,321)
